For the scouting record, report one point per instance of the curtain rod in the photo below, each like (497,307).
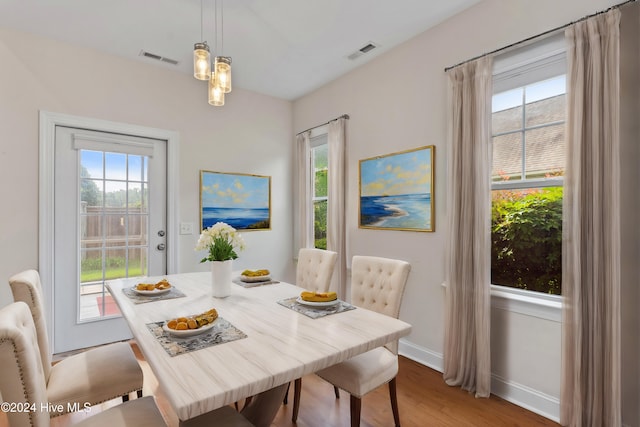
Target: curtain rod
(553,30)
(344,116)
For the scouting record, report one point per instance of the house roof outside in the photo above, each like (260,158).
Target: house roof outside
(544,140)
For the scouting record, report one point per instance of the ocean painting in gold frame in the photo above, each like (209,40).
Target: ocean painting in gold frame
(397,191)
(241,200)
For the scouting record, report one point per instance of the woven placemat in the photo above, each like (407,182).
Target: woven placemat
(141,299)
(315,312)
(222,332)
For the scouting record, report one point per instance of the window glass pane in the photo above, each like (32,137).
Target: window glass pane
(137,262)
(320,164)
(320,223)
(137,168)
(115,193)
(115,226)
(90,192)
(91,231)
(136,196)
(526,234)
(91,266)
(506,100)
(545,152)
(138,230)
(507,157)
(115,263)
(91,164)
(320,156)
(546,89)
(548,110)
(507,111)
(115,166)
(320,184)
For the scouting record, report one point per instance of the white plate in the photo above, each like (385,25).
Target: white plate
(183,333)
(318,303)
(151,293)
(250,279)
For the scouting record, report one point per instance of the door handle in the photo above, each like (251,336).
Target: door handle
(161,246)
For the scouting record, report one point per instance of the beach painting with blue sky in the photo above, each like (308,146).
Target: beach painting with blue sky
(396,191)
(241,200)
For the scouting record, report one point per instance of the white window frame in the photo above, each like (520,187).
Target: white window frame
(533,63)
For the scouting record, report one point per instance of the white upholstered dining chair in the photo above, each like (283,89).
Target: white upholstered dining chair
(376,284)
(315,269)
(23,382)
(313,273)
(93,376)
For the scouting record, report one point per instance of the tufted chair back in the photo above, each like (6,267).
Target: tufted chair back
(315,269)
(378,284)
(26,287)
(22,379)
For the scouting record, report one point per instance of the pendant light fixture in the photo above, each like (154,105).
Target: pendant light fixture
(220,81)
(201,55)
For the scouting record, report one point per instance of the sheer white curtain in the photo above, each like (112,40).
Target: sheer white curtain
(303,232)
(467,358)
(336,240)
(591,270)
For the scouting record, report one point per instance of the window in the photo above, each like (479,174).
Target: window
(528,136)
(320,163)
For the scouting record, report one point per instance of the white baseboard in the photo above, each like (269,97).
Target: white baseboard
(518,394)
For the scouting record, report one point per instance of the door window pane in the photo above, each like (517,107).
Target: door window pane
(114,225)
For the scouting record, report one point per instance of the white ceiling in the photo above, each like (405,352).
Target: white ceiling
(282,48)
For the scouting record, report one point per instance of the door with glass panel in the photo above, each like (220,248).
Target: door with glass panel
(109,220)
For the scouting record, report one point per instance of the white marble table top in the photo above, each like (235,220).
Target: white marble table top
(281,344)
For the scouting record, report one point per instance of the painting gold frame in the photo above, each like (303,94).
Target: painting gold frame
(397,191)
(241,200)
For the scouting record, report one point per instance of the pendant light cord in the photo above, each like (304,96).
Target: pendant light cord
(222,29)
(201,19)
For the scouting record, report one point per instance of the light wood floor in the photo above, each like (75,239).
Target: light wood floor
(423,397)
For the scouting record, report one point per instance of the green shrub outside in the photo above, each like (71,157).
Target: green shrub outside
(526,234)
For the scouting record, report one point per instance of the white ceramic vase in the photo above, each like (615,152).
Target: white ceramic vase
(221,278)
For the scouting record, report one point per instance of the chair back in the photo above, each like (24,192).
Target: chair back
(22,380)
(26,287)
(315,269)
(378,284)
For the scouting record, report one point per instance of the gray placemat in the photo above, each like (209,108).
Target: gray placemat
(141,299)
(222,332)
(238,281)
(315,312)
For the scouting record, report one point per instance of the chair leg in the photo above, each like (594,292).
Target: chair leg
(336,390)
(286,395)
(125,398)
(394,401)
(297,388)
(356,406)
(139,393)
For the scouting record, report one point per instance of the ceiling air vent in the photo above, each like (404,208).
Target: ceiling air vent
(158,57)
(364,49)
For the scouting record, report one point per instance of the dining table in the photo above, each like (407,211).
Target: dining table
(264,338)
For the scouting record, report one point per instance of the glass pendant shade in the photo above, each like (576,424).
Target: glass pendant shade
(201,61)
(222,73)
(216,94)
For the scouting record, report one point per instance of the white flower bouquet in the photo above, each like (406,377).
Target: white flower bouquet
(222,241)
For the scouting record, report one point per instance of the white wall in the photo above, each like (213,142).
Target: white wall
(252,133)
(410,112)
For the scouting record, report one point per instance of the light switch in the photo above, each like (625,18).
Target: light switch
(186,228)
